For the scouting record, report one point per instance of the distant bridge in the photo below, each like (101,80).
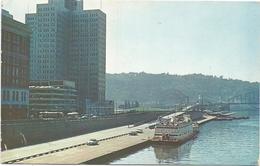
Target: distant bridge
(247,98)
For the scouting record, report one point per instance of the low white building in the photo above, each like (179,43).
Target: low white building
(52,96)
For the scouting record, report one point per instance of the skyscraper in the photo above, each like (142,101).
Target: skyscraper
(88,47)
(69,43)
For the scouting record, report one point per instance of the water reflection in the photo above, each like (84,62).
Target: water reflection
(172,153)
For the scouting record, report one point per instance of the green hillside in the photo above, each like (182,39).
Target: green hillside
(169,89)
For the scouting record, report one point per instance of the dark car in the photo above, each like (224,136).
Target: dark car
(139,131)
(133,133)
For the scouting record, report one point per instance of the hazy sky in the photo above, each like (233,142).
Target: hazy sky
(213,38)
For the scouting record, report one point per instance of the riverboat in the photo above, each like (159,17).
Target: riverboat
(175,130)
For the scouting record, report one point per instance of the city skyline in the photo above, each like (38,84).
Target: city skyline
(178,38)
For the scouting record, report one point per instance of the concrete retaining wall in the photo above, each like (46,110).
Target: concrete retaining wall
(21,133)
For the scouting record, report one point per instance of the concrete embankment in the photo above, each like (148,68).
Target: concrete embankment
(75,151)
(23,133)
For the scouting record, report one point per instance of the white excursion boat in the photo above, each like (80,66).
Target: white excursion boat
(175,130)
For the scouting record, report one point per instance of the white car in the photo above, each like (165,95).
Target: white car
(92,142)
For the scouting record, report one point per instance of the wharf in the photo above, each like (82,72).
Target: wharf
(207,118)
(174,114)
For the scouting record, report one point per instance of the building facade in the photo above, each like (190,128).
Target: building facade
(14,68)
(52,96)
(88,53)
(69,43)
(105,108)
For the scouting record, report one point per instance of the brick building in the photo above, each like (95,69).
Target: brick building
(14,68)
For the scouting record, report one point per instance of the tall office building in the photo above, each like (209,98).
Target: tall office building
(49,42)
(15,67)
(88,50)
(69,43)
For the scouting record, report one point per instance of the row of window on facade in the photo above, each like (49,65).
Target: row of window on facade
(14,96)
(75,39)
(15,48)
(47,19)
(86,20)
(31,21)
(45,8)
(46,30)
(40,77)
(14,59)
(46,35)
(46,46)
(47,24)
(53,9)
(53,92)
(89,26)
(10,70)
(9,36)
(85,15)
(45,13)
(14,82)
(46,50)
(83,35)
(51,101)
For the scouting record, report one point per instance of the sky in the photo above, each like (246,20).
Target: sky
(155,36)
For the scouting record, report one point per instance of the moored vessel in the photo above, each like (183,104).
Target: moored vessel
(175,130)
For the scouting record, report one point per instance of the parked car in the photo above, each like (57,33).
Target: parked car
(73,115)
(133,133)
(92,142)
(84,117)
(152,127)
(139,131)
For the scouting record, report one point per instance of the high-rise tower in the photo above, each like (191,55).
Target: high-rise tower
(69,43)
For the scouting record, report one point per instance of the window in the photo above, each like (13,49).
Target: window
(7,95)
(22,98)
(13,97)
(17,96)
(3,95)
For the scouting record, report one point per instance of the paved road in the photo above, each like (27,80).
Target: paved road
(30,153)
(85,153)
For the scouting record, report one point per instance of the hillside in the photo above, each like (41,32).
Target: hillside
(169,89)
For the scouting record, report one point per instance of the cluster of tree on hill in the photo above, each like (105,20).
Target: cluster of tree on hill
(129,104)
(169,89)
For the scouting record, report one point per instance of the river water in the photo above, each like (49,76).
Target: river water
(218,143)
